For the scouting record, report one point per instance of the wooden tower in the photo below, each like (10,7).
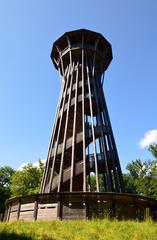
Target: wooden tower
(82,177)
(82,144)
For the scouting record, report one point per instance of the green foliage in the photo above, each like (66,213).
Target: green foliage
(135,168)
(27,181)
(92,181)
(3,197)
(79,230)
(142,178)
(129,184)
(92,186)
(15,183)
(153,150)
(5,179)
(5,175)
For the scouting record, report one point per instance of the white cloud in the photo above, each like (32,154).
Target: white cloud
(22,166)
(149,138)
(35,164)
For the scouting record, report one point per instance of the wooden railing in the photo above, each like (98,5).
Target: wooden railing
(90,204)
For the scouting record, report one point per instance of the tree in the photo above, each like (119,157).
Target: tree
(6,174)
(129,183)
(27,181)
(135,168)
(153,150)
(2,199)
(142,177)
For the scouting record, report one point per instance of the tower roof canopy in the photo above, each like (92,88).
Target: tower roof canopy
(74,41)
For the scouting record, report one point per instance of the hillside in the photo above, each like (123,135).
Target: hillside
(79,230)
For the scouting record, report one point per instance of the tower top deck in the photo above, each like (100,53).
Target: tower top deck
(71,45)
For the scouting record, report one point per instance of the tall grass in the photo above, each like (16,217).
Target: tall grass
(79,230)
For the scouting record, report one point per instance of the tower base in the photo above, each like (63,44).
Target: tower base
(80,205)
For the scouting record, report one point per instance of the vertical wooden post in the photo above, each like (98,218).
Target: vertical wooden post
(99,118)
(18,209)
(74,131)
(119,176)
(65,132)
(46,170)
(83,121)
(59,208)
(87,206)
(58,135)
(93,133)
(9,211)
(35,214)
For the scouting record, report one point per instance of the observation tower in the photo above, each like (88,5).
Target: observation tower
(82,143)
(82,177)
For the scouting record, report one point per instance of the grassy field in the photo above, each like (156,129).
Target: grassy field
(79,230)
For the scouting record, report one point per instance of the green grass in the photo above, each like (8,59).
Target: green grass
(79,230)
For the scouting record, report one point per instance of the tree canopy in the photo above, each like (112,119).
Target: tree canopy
(27,181)
(142,175)
(6,174)
(18,183)
(153,150)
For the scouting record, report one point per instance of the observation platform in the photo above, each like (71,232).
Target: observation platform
(70,45)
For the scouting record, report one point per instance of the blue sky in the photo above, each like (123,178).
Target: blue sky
(29,83)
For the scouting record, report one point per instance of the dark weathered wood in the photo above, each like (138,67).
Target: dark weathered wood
(82,141)
(18,210)
(46,170)
(58,135)
(103,148)
(83,115)
(8,211)
(74,133)
(118,174)
(35,209)
(93,133)
(65,132)
(76,205)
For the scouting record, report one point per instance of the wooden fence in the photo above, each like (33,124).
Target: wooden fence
(80,205)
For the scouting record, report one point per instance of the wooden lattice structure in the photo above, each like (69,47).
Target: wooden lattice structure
(82,141)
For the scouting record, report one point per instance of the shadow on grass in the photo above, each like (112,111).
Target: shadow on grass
(13,236)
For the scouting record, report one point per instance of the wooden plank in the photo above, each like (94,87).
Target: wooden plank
(105,112)
(8,213)
(58,134)
(46,170)
(13,216)
(65,132)
(83,122)
(93,133)
(99,118)
(27,206)
(35,210)
(19,209)
(74,131)
(28,215)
